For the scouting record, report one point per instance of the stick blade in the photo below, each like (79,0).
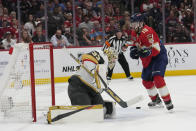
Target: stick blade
(135,100)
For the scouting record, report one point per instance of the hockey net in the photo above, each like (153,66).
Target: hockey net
(27,84)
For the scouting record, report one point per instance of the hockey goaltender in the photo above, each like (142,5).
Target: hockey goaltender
(84,91)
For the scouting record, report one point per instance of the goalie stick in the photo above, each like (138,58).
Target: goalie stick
(110,92)
(61,116)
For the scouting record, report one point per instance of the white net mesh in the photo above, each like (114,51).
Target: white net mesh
(15,94)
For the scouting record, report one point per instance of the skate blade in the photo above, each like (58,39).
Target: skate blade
(156,107)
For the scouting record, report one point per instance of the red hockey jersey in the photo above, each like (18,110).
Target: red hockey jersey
(148,38)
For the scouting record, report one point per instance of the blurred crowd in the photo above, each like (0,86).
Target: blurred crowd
(179,22)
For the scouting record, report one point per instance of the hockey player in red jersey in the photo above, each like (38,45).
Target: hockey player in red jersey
(153,55)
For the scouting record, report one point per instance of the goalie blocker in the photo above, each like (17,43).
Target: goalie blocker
(84,113)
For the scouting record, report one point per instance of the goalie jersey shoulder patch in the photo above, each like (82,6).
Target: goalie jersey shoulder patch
(94,56)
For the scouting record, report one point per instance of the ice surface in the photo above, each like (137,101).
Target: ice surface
(183,93)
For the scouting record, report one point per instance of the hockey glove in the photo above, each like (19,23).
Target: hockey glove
(124,47)
(145,52)
(134,53)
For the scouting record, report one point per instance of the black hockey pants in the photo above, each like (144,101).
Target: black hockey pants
(81,94)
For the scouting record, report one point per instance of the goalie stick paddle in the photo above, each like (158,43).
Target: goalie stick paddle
(122,103)
(61,116)
(110,92)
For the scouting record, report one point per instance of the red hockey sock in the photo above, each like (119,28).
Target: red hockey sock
(159,81)
(161,86)
(152,92)
(148,84)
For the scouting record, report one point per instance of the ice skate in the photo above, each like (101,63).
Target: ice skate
(157,103)
(169,106)
(108,79)
(130,78)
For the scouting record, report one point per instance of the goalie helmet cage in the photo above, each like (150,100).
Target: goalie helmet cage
(24,78)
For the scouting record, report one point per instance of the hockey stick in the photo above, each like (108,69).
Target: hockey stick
(61,116)
(110,92)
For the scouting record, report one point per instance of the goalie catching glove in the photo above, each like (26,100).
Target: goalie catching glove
(112,55)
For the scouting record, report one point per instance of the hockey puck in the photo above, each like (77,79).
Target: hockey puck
(138,107)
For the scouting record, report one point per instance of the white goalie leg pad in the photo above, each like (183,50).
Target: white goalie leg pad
(65,114)
(109,109)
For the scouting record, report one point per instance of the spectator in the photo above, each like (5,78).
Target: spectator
(1,10)
(55,21)
(181,14)
(30,25)
(188,19)
(10,4)
(126,30)
(40,13)
(68,7)
(5,28)
(181,7)
(97,34)
(79,14)
(60,10)
(25,5)
(56,3)
(124,19)
(6,18)
(175,10)
(188,4)
(5,11)
(69,34)
(171,24)
(14,28)
(117,14)
(92,9)
(68,23)
(35,4)
(39,37)
(25,38)
(109,11)
(181,35)
(86,23)
(84,37)
(8,41)
(112,26)
(146,6)
(167,8)
(50,6)
(96,9)
(59,40)
(155,20)
(87,7)
(62,5)
(13,15)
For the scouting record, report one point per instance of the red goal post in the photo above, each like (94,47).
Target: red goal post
(32,73)
(22,82)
